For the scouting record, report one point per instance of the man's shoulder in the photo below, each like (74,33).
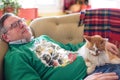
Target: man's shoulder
(44,37)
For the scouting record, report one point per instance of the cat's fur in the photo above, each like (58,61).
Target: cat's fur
(95,53)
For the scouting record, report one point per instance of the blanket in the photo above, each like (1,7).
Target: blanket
(104,22)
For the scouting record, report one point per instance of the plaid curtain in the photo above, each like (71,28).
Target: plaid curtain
(104,22)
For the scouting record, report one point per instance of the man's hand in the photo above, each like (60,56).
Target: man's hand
(112,48)
(102,76)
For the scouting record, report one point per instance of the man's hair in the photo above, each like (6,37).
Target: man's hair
(2,19)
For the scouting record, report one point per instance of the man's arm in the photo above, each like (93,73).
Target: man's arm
(102,76)
(112,48)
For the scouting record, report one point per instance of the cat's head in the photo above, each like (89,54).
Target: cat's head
(95,44)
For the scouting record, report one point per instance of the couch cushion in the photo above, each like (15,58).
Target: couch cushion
(3,49)
(64,29)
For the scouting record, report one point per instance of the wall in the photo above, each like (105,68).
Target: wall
(48,8)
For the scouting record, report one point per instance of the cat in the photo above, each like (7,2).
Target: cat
(95,53)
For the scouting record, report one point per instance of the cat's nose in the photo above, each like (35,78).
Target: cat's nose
(98,52)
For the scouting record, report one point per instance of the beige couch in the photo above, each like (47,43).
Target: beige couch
(63,28)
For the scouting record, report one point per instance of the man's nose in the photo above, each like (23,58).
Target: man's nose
(21,25)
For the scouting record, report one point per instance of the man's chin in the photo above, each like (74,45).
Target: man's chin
(28,39)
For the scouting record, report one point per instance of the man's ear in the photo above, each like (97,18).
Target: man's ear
(5,38)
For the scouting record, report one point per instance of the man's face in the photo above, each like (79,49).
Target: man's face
(16,29)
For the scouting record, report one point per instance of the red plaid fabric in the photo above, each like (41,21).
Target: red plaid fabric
(115,27)
(97,22)
(104,22)
(82,16)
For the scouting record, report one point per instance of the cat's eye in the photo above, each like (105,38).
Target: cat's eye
(92,49)
(102,42)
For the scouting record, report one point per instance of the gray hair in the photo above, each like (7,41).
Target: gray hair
(2,20)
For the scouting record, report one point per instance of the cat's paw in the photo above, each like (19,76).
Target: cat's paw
(88,63)
(90,66)
(115,61)
(90,69)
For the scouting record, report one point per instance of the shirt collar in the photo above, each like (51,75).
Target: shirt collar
(22,41)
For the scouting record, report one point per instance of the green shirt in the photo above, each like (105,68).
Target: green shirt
(22,63)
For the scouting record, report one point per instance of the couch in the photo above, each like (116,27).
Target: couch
(70,28)
(63,28)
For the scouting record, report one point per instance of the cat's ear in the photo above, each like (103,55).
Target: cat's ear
(87,38)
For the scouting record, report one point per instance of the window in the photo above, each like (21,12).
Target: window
(35,3)
(105,3)
(44,6)
(46,2)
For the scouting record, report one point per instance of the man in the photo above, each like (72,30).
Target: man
(23,63)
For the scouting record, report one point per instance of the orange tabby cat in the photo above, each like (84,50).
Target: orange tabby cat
(95,53)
